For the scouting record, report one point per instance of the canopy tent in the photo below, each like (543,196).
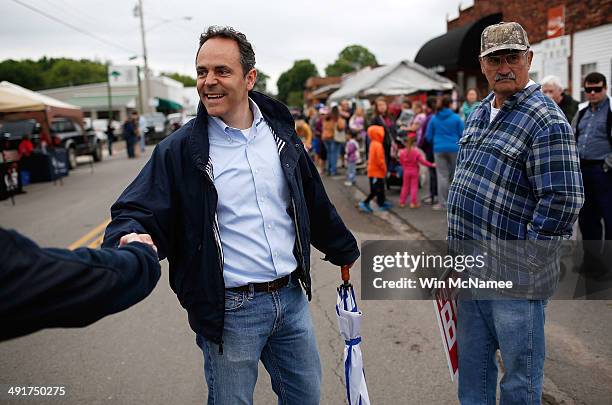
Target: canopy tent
(18,103)
(400,78)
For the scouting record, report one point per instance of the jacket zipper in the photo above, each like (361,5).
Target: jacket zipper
(220,255)
(297,234)
(217,236)
(297,228)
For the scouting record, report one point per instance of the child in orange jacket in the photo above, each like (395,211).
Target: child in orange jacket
(377,170)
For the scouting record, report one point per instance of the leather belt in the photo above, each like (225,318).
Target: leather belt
(263,287)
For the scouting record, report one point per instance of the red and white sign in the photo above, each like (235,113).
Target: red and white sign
(446,313)
(556,22)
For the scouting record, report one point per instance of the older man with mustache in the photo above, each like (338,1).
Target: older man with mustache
(517,178)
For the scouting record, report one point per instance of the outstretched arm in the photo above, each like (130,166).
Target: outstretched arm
(48,287)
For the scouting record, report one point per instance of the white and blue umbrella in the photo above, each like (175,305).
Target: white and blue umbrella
(349,323)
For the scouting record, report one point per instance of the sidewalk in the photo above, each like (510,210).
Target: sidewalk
(432,224)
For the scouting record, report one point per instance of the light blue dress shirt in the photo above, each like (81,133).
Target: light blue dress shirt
(593,143)
(257,233)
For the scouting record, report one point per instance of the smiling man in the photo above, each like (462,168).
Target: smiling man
(517,178)
(234,202)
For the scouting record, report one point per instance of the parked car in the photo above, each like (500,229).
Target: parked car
(174,122)
(76,140)
(101,124)
(187,118)
(13,131)
(155,128)
(64,132)
(177,120)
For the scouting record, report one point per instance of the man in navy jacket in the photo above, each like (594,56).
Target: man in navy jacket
(234,202)
(46,288)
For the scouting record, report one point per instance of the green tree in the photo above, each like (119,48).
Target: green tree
(52,72)
(187,81)
(338,68)
(351,58)
(25,73)
(69,72)
(295,98)
(261,85)
(293,80)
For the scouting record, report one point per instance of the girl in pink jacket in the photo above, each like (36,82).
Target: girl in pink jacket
(410,158)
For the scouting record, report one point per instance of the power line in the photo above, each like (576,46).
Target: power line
(78,14)
(89,34)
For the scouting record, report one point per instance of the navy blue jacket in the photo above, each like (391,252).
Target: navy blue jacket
(175,201)
(45,288)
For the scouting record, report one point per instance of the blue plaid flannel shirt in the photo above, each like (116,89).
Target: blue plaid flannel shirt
(518,177)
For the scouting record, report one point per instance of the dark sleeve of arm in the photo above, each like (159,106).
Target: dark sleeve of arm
(328,232)
(145,206)
(429,133)
(44,288)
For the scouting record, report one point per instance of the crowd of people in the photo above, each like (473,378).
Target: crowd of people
(418,134)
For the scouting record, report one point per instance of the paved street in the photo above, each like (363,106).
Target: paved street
(147,354)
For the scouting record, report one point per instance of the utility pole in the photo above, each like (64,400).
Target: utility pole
(140,102)
(146,63)
(109,93)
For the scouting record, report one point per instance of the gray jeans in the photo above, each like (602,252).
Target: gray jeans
(445,170)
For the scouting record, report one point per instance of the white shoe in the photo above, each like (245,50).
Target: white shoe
(348,183)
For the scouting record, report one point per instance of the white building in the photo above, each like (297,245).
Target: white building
(592,53)
(167,93)
(589,50)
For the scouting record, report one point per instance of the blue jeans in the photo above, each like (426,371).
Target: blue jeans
(597,207)
(351,171)
(275,327)
(142,142)
(516,327)
(333,153)
(129,143)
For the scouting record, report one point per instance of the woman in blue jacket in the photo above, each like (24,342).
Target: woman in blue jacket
(444,131)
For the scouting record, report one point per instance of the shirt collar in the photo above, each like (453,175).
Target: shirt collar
(600,105)
(518,96)
(257,118)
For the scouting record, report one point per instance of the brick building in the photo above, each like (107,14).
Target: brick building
(569,40)
(318,89)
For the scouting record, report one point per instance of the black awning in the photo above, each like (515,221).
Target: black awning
(458,48)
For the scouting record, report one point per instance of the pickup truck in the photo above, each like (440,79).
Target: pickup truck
(64,132)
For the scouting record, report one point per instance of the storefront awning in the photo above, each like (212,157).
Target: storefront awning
(165,104)
(457,49)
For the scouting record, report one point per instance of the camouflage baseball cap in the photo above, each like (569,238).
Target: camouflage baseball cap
(502,36)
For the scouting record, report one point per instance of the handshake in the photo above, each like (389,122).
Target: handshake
(137,237)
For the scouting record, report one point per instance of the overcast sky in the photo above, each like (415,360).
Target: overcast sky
(280,31)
